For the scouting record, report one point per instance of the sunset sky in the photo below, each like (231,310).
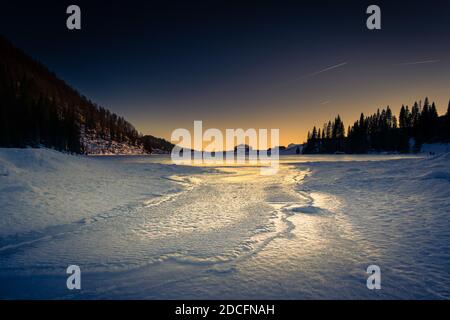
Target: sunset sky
(250,64)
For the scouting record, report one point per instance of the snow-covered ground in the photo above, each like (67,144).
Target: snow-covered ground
(140,227)
(42,188)
(435,148)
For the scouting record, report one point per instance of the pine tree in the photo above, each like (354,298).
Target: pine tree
(448,120)
(408,118)
(314,134)
(388,118)
(362,121)
(433,111)
(415,115)
(402,117)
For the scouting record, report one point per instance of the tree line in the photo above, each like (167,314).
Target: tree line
(383,131)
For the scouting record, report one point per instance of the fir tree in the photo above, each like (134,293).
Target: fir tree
(448,121)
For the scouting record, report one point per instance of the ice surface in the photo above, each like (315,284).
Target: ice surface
(140,227)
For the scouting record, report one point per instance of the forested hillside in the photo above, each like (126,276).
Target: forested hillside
(39,109)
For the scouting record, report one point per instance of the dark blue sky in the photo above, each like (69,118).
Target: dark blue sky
(240,63)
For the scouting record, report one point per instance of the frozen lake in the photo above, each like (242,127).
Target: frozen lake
(142,228)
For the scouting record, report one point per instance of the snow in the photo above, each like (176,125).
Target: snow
(435,148)
(41,187)
(95,145)
(437,175)
(140,227)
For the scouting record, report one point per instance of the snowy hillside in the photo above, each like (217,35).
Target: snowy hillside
(94,145)
(33,115)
